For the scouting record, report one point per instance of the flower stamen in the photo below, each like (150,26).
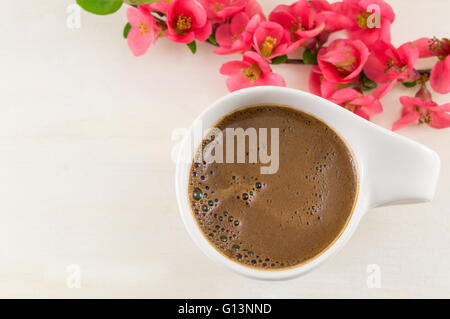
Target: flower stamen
(361,19)
(345,67)
(268,46)
(252,73)
(425,115)
(435,45)
(143,28)
(389,65)
(183,24)
(217,6)
(296,25)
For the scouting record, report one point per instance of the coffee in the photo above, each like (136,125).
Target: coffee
(278,220)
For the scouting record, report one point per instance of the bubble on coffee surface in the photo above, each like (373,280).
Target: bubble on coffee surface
(232,198)
(197,193)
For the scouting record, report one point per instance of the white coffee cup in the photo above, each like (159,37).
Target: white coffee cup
(392,169)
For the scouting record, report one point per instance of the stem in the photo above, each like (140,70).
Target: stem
(155,14)
(158,17)
(294,61)
(424,71)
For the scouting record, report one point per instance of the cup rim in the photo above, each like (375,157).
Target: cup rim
(181,185)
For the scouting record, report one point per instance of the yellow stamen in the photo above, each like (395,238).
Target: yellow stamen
(183,24)
(217,6)
(389,65)
(425,115)
(362,19)
(252,73)
(143,28)
(392,65)
(296,25)
(268,46)
(345,67)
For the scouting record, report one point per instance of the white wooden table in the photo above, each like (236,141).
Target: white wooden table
(87,177)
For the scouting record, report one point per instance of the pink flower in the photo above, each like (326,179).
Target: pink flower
(253,70)
(416,109)
(388,65)
(320,86)
(299,19)
(343,60)
(144,30)
(307,19)
(187,21)
(220,10)
(237,35)
(433,47)
(271,40)
(365,25)
(355,101)
(440,74)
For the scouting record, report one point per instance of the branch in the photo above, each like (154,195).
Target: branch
(424,72)
(294,61)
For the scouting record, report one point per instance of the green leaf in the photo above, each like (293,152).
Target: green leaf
(279,59)
(409,84)
(101,7)
(366,83)
(310,57)
(137,2)
(126,30)
(192,46)
(212,38)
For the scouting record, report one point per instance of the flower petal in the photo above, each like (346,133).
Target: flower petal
(314,81)
(203,33)
(232,67)
(423,45)
(406,120)
(273,79)
(440,108)
(409,54)
(138,43)
(384,89)
(236,82)
(440,76)
(133,16)
(440,120)
(224,36)
(180,38)
(344,95)
(238,23)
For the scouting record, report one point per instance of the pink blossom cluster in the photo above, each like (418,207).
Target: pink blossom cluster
(354,72)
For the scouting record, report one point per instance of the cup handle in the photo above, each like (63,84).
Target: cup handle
(400,171)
